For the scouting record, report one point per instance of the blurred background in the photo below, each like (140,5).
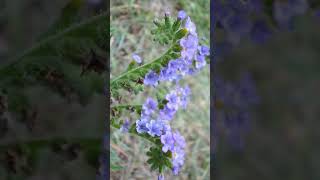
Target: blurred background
(131,22)
(279,47)
(51,118)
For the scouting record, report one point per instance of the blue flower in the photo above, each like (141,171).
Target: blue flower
(182,15)
(137,58)
(204,50)
(189,46)
(168,74)
(149,106)
(200,61)
(179,140)
(177,159)
(167,114)
(125,126)
(167,141)
(191,27)
(151,78)
(173,100)
(141,126)
(183,95)
(154,128)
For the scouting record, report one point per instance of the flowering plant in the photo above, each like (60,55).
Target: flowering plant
(184,57)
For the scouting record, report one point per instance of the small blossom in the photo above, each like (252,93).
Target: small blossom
(191,27)
(141,126)
(137,58)
(177,159)
(200,61)
(182,15)
(167,114)
(167,141)
(189,46)
(168,74)
(154,128)
(151,79)
(173,100)
(204,50)
(149,106)
(179,140)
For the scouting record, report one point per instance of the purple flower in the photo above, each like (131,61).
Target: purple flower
(149,106)
(200,61)
(184,95)
(167,141)
(141,126)
(125,126)
(177,159)
(173,100)
(167,114)
(154,128)
(182,15)
(167,74)
(191,27)
(137,58)
(179,140)
(189,46)
(151,78)
(204,50)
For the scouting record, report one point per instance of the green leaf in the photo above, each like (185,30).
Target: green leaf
(181,33)
(176,25)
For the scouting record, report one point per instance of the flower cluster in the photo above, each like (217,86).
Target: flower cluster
(156,116)
(191,61)
(255,20)
(155,122)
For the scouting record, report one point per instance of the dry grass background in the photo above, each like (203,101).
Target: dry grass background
(131,22)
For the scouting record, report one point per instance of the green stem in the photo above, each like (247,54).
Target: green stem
(126,106)
(132,71)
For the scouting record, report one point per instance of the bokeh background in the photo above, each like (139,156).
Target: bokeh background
(131,23)
(53,136)
(281,142)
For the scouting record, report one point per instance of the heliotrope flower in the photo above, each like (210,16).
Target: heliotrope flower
(154,128)
(151,78)
(200,61)
(173,100)
(182,14)
(137,58)
(191,27)
(177,159)
(204,50)
(167,113)
(149,106)
(168,74)
(141,125)
(179,140)
(168,141)
(189,46)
